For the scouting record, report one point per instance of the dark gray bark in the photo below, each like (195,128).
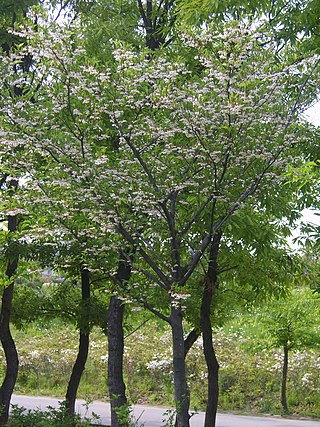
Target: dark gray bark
(11,354)
(210,286)
(284,378)
(116,384)
(8,344)
(211,361)
(181,392)
(83,350)
(157,22)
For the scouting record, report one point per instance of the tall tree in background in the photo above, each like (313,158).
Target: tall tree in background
(296,23)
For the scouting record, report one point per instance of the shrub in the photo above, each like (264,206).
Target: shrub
(52,417)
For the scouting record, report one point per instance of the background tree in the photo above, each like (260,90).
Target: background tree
(295,23)
(290,324)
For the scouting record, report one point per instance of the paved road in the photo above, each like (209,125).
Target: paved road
(155,417)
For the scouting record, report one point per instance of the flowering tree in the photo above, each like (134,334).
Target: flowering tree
(164,151)
(273,14)
(10,14)
(221,208)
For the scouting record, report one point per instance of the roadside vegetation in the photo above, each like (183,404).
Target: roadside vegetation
(250,368)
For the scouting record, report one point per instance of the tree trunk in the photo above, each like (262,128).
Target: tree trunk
(284,378)
(210,286)
(211,360)
(8,344)
(83,350)
(181,392)
(116,385)
(11,355)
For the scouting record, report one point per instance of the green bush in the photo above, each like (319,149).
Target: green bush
(52,417)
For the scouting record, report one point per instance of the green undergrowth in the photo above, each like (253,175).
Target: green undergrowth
(51,417)
(249,380)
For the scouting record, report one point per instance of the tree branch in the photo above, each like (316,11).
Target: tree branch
(191,339)
(195,217)
(136,329)
(164,279)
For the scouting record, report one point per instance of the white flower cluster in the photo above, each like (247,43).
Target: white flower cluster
(161,365)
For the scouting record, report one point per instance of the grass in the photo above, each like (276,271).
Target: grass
(249,381)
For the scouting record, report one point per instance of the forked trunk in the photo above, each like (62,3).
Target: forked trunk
(83,350)
(181,392)
(284,378)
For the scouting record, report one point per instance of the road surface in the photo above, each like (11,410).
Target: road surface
(155,417)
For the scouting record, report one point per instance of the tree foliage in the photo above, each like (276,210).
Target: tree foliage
(152,154)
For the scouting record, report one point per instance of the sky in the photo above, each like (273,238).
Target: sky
(313,114)
(311,215)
